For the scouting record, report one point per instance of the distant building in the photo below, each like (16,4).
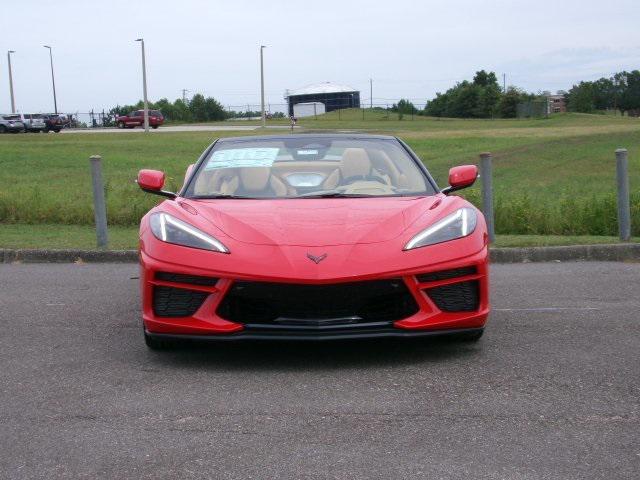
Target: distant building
(556,103)
(308,109)
(333,96)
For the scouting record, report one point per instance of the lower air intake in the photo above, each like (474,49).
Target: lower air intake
(176,302)
(340,303)
(446,274)
(457,297)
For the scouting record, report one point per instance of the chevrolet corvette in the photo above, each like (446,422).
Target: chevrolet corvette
(312,237)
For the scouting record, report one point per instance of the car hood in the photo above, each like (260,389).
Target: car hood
(315,222)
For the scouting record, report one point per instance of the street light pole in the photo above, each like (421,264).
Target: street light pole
(53,80)
(264,115)
(13,100)
(144,86)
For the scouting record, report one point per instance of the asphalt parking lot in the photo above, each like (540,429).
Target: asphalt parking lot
(552,391)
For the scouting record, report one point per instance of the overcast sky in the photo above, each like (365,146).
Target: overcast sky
(411,49)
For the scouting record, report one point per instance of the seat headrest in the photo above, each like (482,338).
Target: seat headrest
(355,163)
(255,178)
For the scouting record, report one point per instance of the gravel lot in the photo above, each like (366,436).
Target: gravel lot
(552,391)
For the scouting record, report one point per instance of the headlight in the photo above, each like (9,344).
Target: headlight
(171,230)
(459,224)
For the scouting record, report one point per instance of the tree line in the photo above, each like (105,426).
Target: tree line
(198,109)
(619,92)
(483,98)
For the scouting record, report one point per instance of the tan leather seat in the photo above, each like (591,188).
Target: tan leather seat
(353,164)
(242,181)
(224,181)
(260,179)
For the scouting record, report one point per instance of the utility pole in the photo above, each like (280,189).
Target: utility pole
(264,115)
(184,95)
(144,87)
(504,83)
(371,93)
(13,100)
(53,80)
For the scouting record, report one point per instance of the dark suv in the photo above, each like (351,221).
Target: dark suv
(55,123)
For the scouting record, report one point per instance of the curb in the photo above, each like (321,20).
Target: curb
(624,252)
(602,253)
(67,256)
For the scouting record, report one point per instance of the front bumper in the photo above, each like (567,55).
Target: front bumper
(319,337)
(432,315)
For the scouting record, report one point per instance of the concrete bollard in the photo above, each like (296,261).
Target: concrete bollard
(622,178)
(487,193)
(99,205)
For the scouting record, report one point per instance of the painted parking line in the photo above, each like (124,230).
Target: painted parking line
(543,309)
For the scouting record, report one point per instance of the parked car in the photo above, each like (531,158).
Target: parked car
(11,123)
(55,122)
(33,122)
(136,119)
(312,237)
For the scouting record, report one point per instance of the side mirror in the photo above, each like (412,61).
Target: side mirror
(152,181)
(461,177)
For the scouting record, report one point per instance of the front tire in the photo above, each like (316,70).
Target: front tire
(154,126)
(3,129)
(120,124)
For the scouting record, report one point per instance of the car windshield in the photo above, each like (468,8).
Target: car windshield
(155,113)
(11,117)
(308,167)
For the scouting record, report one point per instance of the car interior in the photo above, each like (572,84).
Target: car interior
(306,171)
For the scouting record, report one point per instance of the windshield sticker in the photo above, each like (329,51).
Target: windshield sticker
(242,157)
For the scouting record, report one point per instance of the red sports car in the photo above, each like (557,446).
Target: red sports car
(312,237)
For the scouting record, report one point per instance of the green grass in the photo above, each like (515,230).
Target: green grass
(552,176)
(555,240)
(64,236)
(125,238)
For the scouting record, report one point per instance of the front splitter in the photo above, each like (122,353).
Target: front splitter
(307,336)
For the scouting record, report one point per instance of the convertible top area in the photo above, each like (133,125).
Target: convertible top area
(363,136)
(297,166)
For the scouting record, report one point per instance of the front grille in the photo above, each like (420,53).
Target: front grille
(182,278)
(457,297)
(446,274)
(176,302)
(317,305)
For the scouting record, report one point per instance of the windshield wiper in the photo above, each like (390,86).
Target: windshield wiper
(221,195)
(331,194)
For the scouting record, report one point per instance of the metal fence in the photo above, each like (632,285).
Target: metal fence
(91,119)
(370,110)
(274,111)
(533,109)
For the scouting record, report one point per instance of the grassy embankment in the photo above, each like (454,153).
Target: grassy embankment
(552,176)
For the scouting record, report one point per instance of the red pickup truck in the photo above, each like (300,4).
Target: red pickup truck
(135,119)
